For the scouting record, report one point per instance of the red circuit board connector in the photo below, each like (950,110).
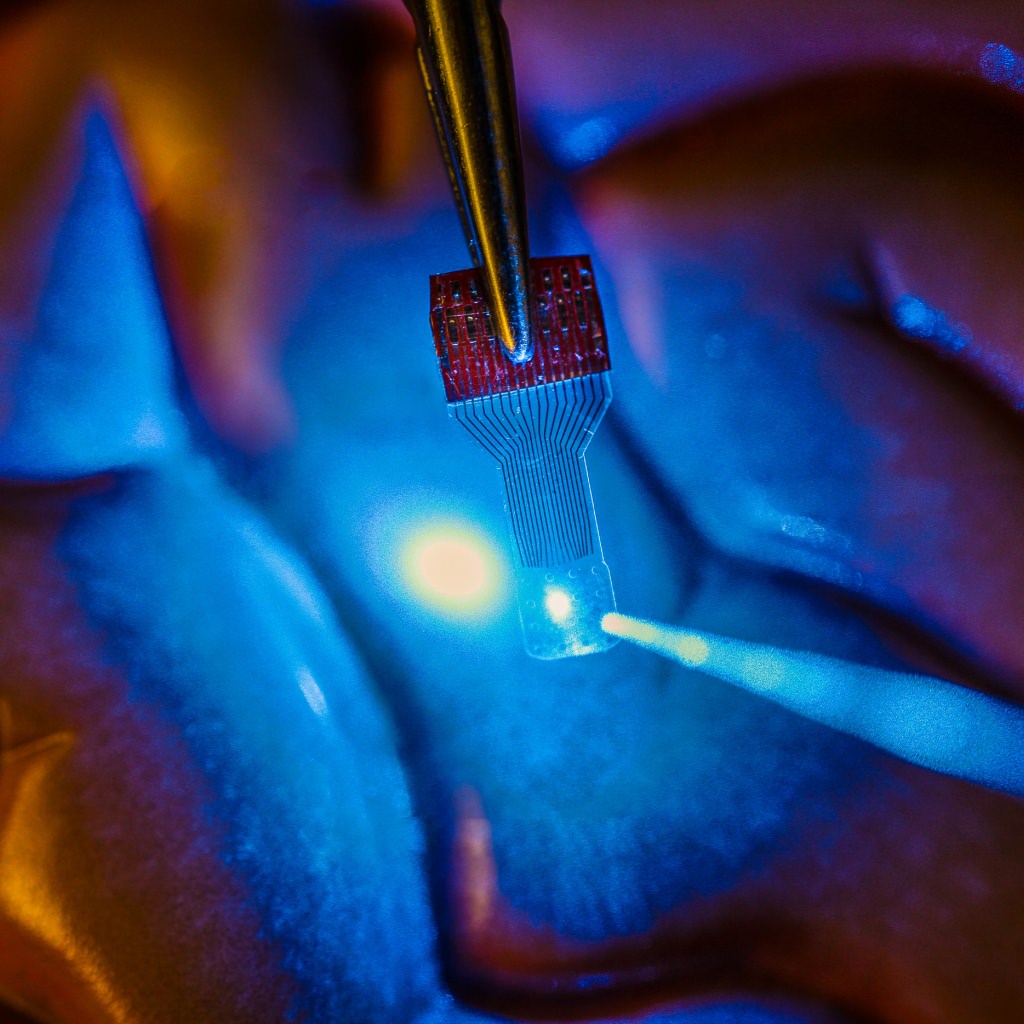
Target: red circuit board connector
(569,336)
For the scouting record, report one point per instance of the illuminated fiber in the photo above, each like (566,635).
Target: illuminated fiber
(536,420)
(927,721)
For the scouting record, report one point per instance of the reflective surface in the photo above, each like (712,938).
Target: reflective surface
(467,72)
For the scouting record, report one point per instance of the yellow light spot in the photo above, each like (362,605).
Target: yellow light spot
(557,603)
(689,648)
(630,629)
(454,569)
(692,650)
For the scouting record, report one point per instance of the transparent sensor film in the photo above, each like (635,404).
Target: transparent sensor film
(536,420)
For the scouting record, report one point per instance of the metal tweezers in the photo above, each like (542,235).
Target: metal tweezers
(466,65)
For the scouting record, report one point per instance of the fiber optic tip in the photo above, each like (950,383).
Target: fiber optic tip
(623,626)
(924,720)
(688,648)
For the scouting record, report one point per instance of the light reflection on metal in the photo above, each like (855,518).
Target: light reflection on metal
(467,71)
(929,722)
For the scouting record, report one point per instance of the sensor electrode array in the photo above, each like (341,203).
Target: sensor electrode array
(520,343)
(536,419)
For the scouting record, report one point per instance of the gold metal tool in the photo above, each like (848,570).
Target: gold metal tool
(467,71)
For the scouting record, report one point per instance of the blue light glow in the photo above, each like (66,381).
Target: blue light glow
(588,141)
(916,318)
(1002,66)
(926,721)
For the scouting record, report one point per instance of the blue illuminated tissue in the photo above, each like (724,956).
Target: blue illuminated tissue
(92,386)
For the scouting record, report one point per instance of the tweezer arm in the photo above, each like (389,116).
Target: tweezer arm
(467,72)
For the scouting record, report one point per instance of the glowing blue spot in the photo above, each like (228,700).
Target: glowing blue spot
(1001,66)
(588,141)
(926,721)
(453,569)
(997,62)
(913,316)
(312,692)
(150,432)
(917,319)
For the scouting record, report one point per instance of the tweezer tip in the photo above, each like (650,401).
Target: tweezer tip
(510,298)
(508,287)
(522,352)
